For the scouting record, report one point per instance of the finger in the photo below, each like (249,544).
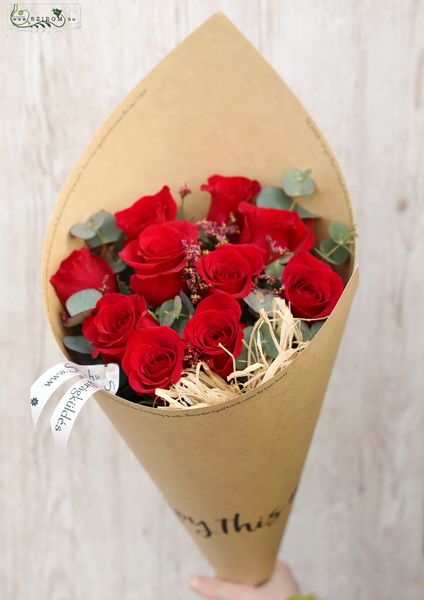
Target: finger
(221,590)
(283,580)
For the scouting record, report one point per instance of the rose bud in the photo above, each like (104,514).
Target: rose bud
(113,319)
(148,210)
(153,359)
(230,268)
(283,227)
(82,270)
(216,321)
(227,193)
(159,258)
(311,287)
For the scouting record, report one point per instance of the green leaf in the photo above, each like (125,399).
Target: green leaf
(247,332)
(117,265)
(332,252)
(304,214)
(109,230)
(275,268)
(82,231)
(306,331)
(273,197)
(268,346)
(78,343)
(178,305)
(179,325)
(298,183)
(259,299)
(87,230)
(187,305)
(316,326)
(169,311)
(241,360)
(107,233)
(339,232)
(310,329)
(98,219)
(123,287)
(82,301)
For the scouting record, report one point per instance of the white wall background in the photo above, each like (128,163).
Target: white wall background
(94,526)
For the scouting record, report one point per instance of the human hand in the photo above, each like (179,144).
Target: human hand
(281,586)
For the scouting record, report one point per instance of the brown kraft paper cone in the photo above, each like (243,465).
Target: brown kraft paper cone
(215,106)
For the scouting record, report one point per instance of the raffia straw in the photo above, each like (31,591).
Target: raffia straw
(200,386)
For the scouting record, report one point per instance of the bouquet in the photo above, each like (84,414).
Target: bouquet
(224,310)
(198,313)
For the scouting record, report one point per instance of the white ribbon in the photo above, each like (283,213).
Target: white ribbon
(66,412)
(88,380)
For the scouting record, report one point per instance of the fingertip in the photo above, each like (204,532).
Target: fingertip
(195,582)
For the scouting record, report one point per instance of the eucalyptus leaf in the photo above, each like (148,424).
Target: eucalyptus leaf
(187,305)
(179,325)
(339,232)
(247,332)
(117,265)
(306,331)
(310,329)
(285,259)
(98,219)
(107,233)
(268,345)
(332,252)
(109,230)
(87,230)
(304,214)
(78,343)
(165,313)
(259,299)
(169,311)
(241,360)
(76,319)
(275,268)
(82,301)
(298,183)
(316,326)
(82,231)
(123,287)
(273,197)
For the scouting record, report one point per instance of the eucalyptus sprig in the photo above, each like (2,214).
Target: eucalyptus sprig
(295,183)
(337,248)
(175,313)
(99,229)
(102,235)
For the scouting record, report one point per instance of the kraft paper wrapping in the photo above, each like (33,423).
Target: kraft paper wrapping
(215,106)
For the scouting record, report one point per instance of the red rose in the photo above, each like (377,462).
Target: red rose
(82,270)
(153,359)
(148,210)
(158,256)
(227,193)
(230,267)
(216,321)
(311,286)
(115,317)
(284,227)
